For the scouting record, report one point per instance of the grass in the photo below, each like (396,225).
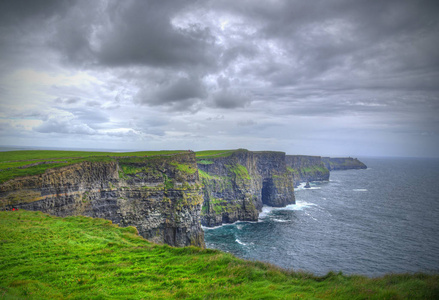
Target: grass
(219,205)
(240,172)
(204,175)
(293,171)
(314,169)
(46,257)
(204,162)
(214,153)
(185,168)
(12,162)
(56,154)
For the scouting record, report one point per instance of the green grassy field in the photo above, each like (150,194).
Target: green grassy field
(213,153)
(46,257)
(31,162)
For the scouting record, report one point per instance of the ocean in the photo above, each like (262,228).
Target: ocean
(384,219)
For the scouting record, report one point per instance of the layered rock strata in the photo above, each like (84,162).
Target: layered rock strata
(238,185)
(161,195)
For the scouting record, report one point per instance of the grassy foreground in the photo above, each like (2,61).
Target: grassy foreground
(46,257)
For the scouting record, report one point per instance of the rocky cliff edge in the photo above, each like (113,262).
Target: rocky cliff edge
(238,183)
(161,195)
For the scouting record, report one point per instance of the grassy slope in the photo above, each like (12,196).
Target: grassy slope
(42,257)
(10,161)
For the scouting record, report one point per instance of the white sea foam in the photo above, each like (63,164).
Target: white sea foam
(310,216)
(265,211)
(281,221)
(210,228)
(227,224)
(239,242)
(360,190)
(300,187)
(300,205)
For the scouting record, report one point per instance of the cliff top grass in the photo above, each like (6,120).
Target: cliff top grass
(46,257)
(27,155)
(213,153)
(32,162)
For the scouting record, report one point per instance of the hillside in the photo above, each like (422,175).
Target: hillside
(47,257)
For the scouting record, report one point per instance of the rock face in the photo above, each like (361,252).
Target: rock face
(306,168)
(343,163)
(161,195)
(236,186)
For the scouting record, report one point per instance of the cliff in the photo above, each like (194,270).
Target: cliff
(160,195)
(343,163)
(238,183)
(306,168)
(167,195)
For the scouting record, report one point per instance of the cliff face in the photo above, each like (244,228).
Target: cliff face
(168,197)
(236,186)
(306,168)
(161,196)
(343,163)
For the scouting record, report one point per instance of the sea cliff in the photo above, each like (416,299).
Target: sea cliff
(238,183)
(167,196)
(342,163)
(161,195)
(306,168)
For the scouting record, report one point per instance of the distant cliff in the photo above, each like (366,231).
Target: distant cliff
(343,163)
(306,168)
(238,183)
(161,195)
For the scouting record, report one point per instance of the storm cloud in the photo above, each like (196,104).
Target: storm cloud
(332,77)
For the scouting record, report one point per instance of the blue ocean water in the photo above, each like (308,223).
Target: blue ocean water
(383,219)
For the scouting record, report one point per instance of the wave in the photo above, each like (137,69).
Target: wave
(310,216)
(360,190)
(227,224)
(239,242)
(210,228)
(300,205)
(302,187)
(281,221)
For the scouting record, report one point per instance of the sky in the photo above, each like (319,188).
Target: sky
(329,77)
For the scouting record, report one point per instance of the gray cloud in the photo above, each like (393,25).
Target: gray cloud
(64,127)
(142,33)
(184,62)
(229,99)
(178,90)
